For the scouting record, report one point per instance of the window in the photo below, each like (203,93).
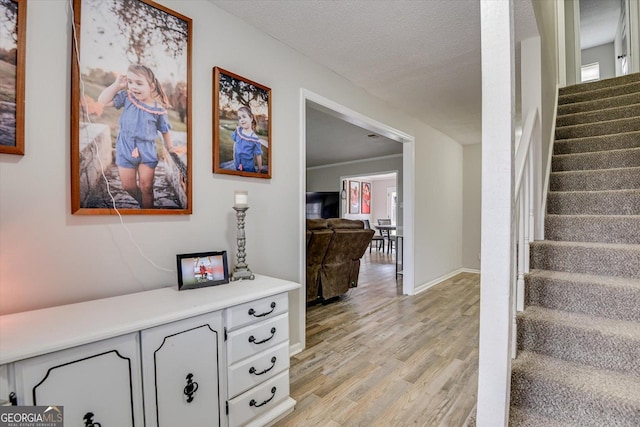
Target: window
(591,72)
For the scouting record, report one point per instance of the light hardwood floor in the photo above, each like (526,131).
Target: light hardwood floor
(377,358)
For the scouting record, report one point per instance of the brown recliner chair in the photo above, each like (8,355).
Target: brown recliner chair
(341,265)
(318,237)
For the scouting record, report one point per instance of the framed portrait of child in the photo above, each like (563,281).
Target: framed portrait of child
(130,109)
(241,126)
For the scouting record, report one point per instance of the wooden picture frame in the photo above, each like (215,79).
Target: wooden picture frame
(365,196)
(13,33)
(202,269)
(131,71)
(241,126)
(354,197)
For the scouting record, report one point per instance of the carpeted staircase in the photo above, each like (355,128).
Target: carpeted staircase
(578,361)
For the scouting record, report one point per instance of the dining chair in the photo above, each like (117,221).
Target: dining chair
(378,238)
(386,234)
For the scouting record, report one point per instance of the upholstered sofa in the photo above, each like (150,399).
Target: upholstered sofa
(334,249)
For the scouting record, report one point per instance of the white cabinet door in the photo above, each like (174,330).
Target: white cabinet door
(181,372)
(96,383)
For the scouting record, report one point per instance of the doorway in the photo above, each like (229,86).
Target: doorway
(405,185)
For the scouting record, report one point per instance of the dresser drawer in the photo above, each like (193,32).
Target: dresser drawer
(254,339)
(256,311)
(259,400)
(257,369)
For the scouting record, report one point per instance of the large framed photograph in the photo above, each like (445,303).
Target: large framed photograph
(130,109)
(242,126)
(202,269)
(13,33)
(354,197)
(365,196)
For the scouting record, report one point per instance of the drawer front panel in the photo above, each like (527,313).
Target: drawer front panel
(181,372)
(254,339)
(96,383)
(257,369)
(258,400)
(256,311)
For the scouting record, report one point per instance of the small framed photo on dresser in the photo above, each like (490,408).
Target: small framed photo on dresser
(199,270)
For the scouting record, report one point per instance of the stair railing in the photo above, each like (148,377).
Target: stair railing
(525,214)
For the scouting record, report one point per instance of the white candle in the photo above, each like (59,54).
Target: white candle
(241,199)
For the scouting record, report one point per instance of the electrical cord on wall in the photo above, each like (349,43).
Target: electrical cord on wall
(95,147)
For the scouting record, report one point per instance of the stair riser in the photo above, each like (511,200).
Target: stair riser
(579,345)
(599,104)
(596,180)
(568,405)
(597,229)
(623,202)
(596,129)
(600,84)
(620,262)
(614,302)
(599,93)
(599,115)
(628,158)
(599,143)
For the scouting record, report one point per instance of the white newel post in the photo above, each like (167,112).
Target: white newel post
(498,212)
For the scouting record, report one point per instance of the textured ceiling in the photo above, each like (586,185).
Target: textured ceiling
(420,56)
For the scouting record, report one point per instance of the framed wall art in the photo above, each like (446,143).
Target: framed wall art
(241,126)
(130,109)
(354,197)
(202,269)
(365,205)
(13,32)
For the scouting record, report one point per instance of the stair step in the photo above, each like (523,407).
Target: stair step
(605,202)
(611,159)
(606,259)
(599,104)
(519,417)
(602,93)
(608,127)
(597,143)
(595,180)
(601,296)
(598,342)
(600,84)
(572,393)
(593,228)
(612,113)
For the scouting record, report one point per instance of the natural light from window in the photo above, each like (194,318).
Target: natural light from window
(591,72)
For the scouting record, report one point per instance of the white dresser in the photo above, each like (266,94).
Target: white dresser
(216,356)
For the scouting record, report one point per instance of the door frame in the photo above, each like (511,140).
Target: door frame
(408,187)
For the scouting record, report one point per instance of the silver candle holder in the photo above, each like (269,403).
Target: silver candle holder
(241,270)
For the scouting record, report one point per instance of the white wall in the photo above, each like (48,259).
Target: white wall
(472,178)
(50,257)
(605,55)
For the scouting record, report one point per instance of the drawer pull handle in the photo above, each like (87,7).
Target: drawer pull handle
(252,312)
(191,388)
(88,420)
(273,363)
(253,339)
(273,394)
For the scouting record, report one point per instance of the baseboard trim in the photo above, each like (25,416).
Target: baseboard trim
(440,279)
(295,349)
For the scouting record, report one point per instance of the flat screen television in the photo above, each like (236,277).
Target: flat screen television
(323,204)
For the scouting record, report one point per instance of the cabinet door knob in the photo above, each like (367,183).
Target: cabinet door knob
(257,405)
(253,339)
(191,388)
(88,420)
(252,312)
(273,363)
